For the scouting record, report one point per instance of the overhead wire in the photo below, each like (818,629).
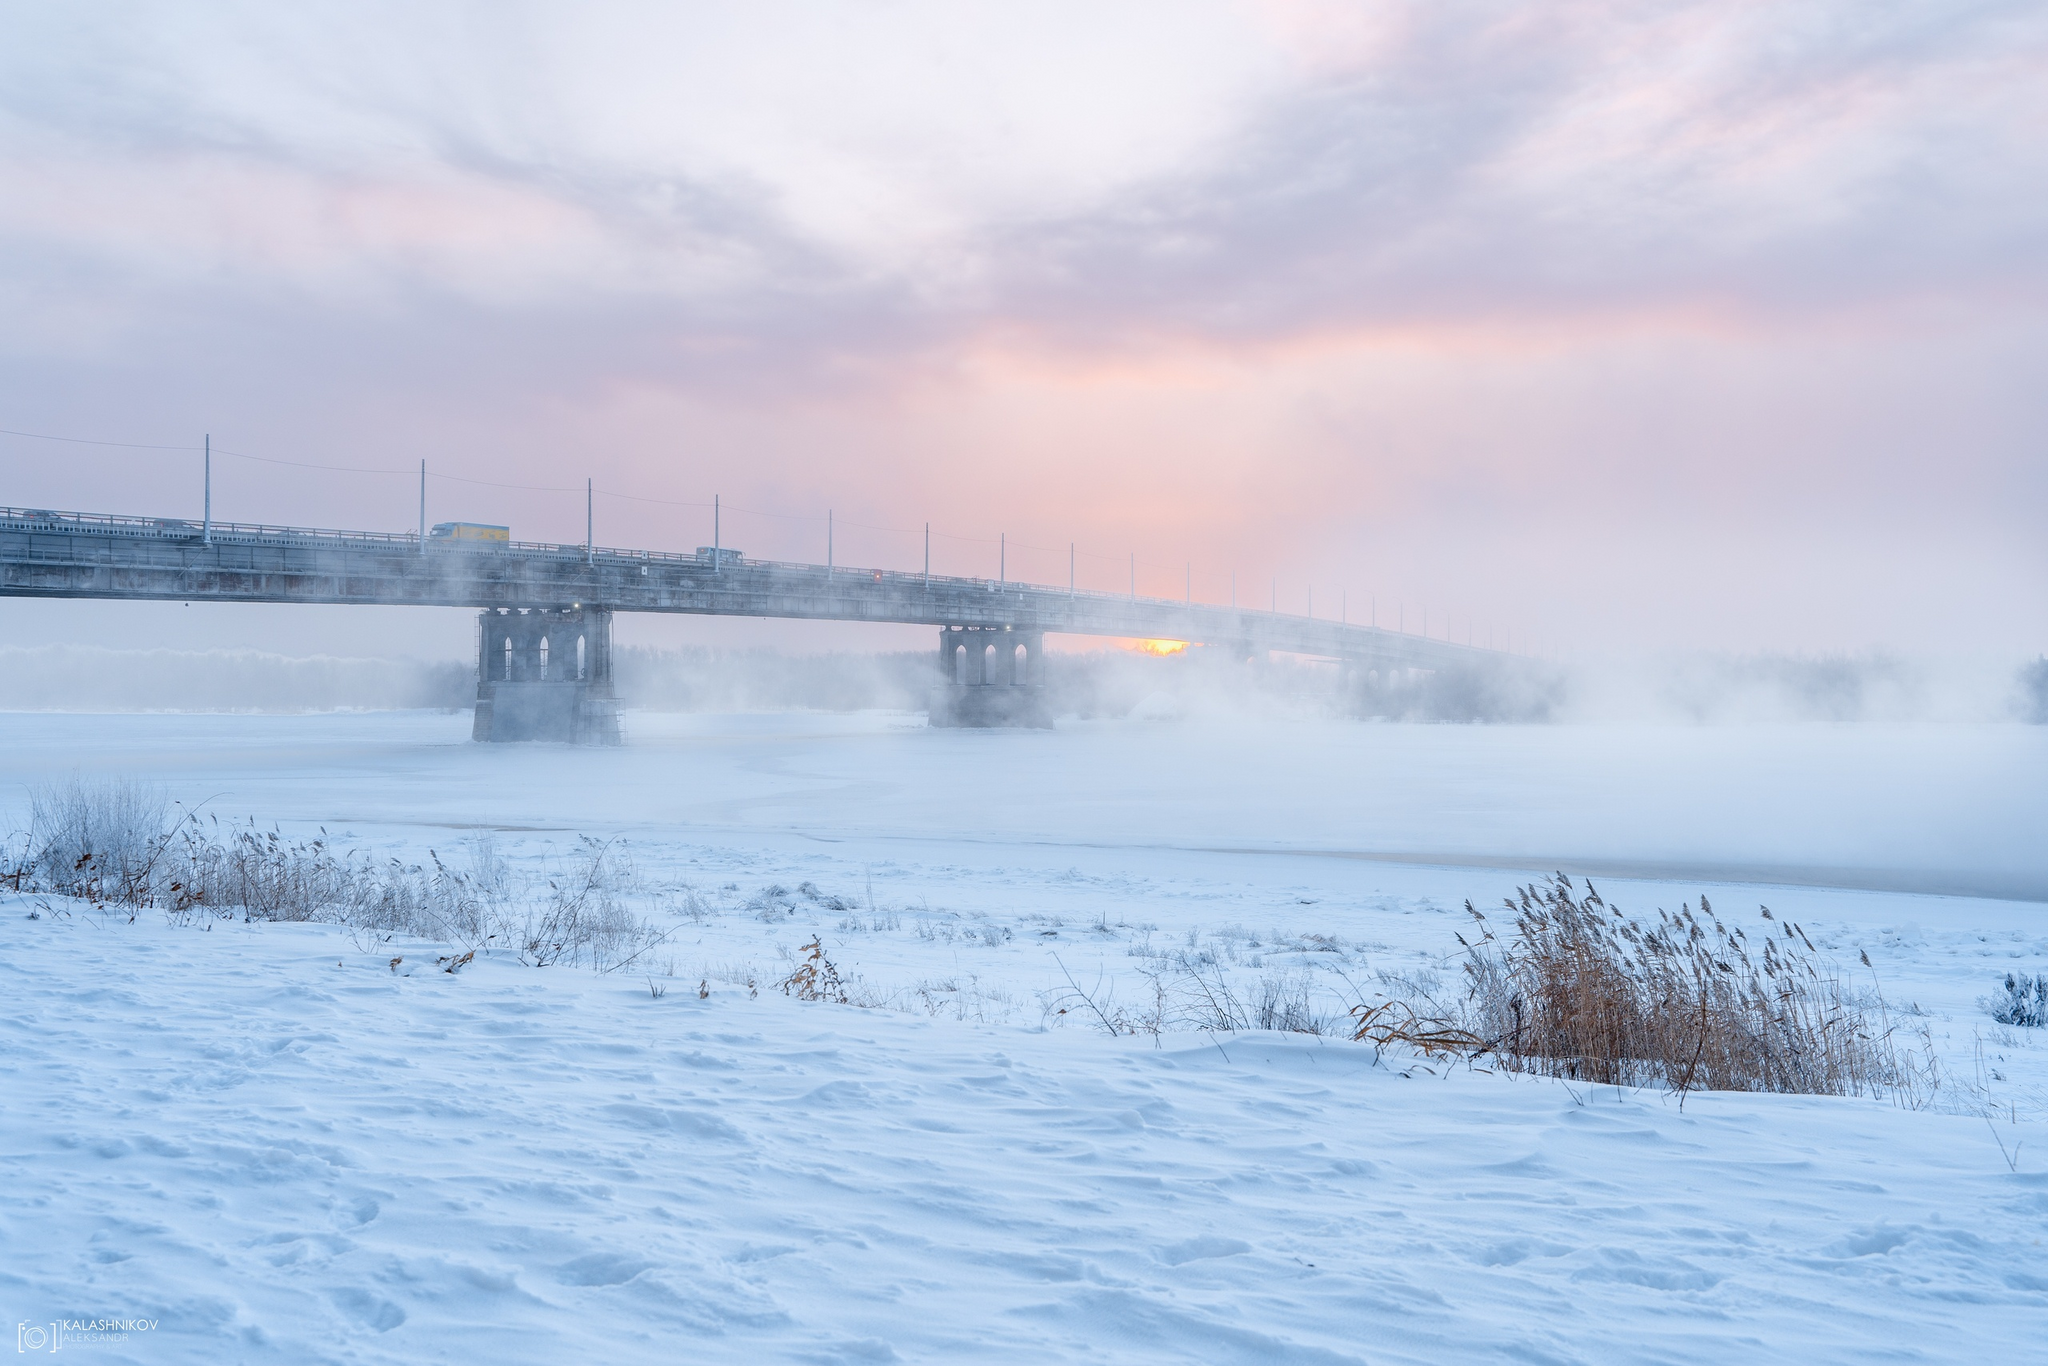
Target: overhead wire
(1074,549)
(87,441)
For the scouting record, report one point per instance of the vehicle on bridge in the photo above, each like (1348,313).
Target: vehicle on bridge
(471,531)
(547,603)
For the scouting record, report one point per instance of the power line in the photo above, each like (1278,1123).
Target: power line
(85,441)
(309,465)
(590,490)
(497,484)
(532,488)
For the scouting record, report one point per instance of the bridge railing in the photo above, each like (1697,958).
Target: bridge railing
(186,530)
(911,578)
(191,529)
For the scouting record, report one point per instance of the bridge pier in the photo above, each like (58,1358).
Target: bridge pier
(47,554)
(545,673)
(991,676)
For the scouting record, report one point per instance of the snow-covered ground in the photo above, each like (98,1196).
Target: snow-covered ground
(280,1146)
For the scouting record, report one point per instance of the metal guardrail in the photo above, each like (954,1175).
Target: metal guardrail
(257,533)
(182,530)
(1043,599)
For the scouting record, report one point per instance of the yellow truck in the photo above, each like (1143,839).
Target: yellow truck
(473,532)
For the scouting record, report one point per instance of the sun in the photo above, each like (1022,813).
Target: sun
(1159,647)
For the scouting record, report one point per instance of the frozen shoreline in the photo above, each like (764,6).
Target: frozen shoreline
(284,1151)
(1926,802)
(289,1150)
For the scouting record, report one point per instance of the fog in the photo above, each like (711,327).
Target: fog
(1695,688)
(92,678)
(1671,375)
(1677,326)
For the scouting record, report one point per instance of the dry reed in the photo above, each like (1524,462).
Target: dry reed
(1583,991)
(119,843)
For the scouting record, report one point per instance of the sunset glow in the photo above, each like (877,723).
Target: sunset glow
(1297,305)
(588,557)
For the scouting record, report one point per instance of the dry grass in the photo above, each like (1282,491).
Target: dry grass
(583,918)
(100,840)
(2023,1002)
(116,843)
(815,977)
(1192,991)
(1583,991)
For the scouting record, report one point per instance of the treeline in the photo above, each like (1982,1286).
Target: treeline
(91,678)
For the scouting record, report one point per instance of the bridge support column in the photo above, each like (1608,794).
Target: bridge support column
(991,676)
(545,673)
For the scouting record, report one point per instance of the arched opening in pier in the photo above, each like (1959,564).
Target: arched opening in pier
(543,658)
(1020,665)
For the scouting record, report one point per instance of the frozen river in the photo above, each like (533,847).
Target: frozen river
(1927,808)
(280,1142)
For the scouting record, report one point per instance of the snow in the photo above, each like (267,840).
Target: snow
(282,1147)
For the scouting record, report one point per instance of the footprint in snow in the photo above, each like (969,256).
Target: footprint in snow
(600,1268)
(1202,1248)
(373,1313)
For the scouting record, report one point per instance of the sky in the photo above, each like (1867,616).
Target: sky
(1581,326)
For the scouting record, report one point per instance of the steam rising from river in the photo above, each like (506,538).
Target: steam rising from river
(1198,684)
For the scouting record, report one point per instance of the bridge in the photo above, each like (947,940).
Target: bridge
(544,637)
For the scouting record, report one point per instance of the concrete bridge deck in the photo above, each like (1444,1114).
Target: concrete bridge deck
(90,555)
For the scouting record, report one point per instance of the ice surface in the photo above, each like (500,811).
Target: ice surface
(1915,807)
(285,1149)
